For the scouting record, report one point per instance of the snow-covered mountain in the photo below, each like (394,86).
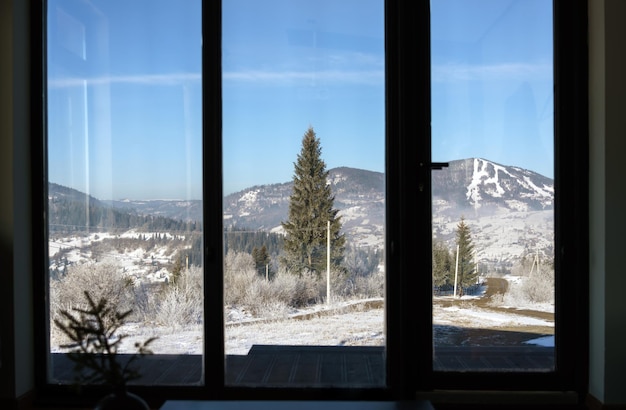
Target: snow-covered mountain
(482,186)
(508,208)
(359,196)
(475,188)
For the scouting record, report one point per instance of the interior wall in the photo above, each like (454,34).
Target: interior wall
(16,337)
(596,201)
(607,200)
(6,204)
(615,149)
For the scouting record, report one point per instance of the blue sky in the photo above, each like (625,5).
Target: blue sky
(125,99)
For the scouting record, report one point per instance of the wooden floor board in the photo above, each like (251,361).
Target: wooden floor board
(319,366)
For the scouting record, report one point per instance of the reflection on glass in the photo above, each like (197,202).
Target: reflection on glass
(493,207)
(124,172)
(303,138)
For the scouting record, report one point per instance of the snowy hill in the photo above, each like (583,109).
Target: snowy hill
(509,209)
(475,188)
(359,196)
(482,185)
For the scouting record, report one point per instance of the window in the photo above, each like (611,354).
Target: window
(124,123)
(296,78)
(132,100)
(493,206)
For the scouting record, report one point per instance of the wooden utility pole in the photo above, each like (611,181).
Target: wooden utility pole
(535,262)
(456,270)
(328,263)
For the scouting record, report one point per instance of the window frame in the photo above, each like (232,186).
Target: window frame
(409,341)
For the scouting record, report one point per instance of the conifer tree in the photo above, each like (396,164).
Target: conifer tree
(261,259)
(466,273)
(443,266)
(310,208)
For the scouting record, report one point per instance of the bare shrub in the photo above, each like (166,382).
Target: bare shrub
(103,281)
(534,288)
(370,286)
(535,285)
(147,301)
(263,299)
(539,286)
(180,303)
(307,289)
(239,276)
(243,287)
(284,286)
(497,299)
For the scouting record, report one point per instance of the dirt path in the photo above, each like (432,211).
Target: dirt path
(500,336)
(496,286)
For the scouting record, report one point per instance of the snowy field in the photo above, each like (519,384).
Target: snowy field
(356,328)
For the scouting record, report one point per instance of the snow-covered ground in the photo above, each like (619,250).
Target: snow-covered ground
(144,266)
(545,341)
(482,318)
(355,328)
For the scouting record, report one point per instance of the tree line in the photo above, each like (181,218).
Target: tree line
(455,266)
(74,216)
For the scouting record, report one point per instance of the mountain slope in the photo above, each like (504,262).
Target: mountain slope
(472,187)
(485,192)
(359,196)
(482,185)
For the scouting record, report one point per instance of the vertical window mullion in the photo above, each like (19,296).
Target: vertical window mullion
(408,191)
(212,201)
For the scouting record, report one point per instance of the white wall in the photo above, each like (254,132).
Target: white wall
(607,155)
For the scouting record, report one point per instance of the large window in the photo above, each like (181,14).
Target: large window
(304,192)
(124,172)
(493,205)
(335,197)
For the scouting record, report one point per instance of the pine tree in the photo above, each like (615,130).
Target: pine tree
(442,265)
(261,259)
(466,273)
(310,208)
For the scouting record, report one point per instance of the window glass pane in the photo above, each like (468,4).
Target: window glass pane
(493,207)
(124,140)
(304,138)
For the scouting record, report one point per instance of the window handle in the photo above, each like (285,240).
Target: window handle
(433,165)
(439,165)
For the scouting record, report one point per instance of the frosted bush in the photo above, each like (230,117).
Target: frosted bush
(539,286)
(239,277)
(533,289)
(102,280)
(295,290)
(307,290)
(180,304)
(370,286)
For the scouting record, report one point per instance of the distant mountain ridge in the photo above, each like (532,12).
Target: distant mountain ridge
(477,183)
(359,196)
(473,186)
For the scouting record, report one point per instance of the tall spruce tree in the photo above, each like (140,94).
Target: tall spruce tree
(310,208)
(466,273)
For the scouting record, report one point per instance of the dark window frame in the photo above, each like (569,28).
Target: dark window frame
(409,341)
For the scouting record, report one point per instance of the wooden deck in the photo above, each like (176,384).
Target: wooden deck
(322,366)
